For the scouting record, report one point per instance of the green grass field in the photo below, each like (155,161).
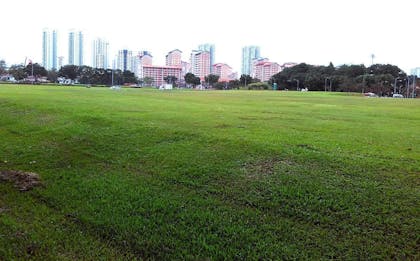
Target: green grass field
(146,174)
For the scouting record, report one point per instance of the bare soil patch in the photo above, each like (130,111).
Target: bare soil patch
(265,167)
(22,180)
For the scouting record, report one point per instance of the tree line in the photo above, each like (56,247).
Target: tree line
(382,79)
(83,74)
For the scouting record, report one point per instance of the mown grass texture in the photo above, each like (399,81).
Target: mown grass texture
(148,174)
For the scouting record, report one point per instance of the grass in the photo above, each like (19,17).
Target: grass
(146,174)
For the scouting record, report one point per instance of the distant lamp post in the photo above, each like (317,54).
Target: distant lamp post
(364,80)
(396,80)
(330,84)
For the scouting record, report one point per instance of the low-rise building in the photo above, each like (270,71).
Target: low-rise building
(158,73)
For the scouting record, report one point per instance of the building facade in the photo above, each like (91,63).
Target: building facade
(60,61)
(75,48)
(49,49)
(211,49)
(173,58)
(263,69)
(100,55)
(158,73)
(249,53)
(224,72)
(144,58)
(124,60)
(200,63)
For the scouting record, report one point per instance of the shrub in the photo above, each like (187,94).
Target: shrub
(258,86)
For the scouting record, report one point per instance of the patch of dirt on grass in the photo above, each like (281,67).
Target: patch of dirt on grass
(265,167)
(23,181)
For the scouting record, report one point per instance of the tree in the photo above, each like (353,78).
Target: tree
(196,81)
(148,80)
(86,75)
(234,84)
(211,79)
(129,77)
(69,71)
(170,79)
(36,70)
(192,79)
(118,77)
(18,71)
(52,75)
(245,79)
(189,78)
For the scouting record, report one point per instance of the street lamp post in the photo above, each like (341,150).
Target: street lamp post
(408,87)
(364,80)
(325,85)
(396,80)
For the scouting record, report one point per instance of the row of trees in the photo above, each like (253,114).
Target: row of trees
(84,74)
(98,76)
(382,79)
(378,78)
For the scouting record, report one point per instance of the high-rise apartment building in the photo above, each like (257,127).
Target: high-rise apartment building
(211,49)
(75,48)
(173,58)
(263,69)
(60,61)
(49,49)
(200,63)
(224,72)
(125,60)
(249,53)
(144,58)
(100,54)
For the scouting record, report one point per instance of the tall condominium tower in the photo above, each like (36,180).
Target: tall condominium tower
(200,63)
(249,53)
(125,60)
(211,49)
(100,54)
(76,48)
(173,58)
(49,49)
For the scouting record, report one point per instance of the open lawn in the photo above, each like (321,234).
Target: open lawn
(148,174)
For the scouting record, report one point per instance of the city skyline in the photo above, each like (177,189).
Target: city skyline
(315,32)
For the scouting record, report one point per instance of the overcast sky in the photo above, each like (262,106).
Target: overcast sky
(315,32)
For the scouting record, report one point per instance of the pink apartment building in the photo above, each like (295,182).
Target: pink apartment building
(173,58)
(200,63)
(263,69)
(224,72)
(158,73)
